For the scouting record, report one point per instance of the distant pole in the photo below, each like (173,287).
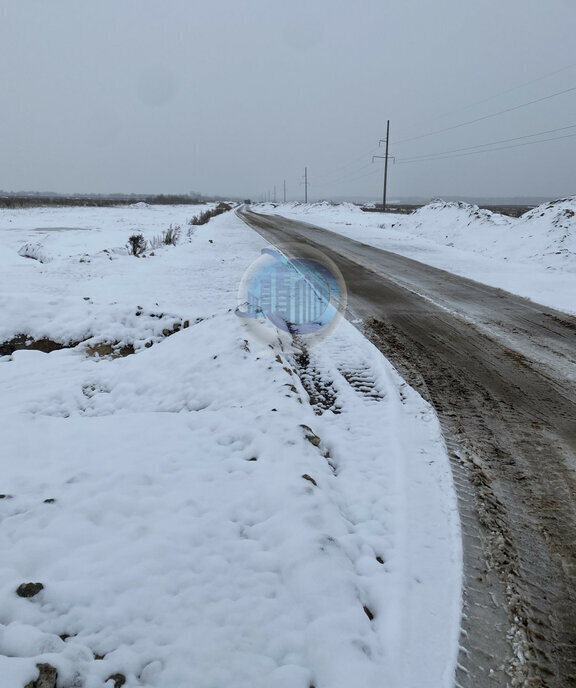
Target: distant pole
(305,185)
(284,191)
(274,193)
(386,167)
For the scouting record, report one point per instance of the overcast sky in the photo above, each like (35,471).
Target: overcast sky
(231,97)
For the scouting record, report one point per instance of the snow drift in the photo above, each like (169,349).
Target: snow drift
(545,235)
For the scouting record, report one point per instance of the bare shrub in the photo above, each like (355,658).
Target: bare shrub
(136,245)
(207,215)
(171,236)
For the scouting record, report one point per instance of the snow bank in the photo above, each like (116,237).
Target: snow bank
(533,256)
(194,519)
(339,213)
(35,252)
(456,224)
(545,235)
(548,233)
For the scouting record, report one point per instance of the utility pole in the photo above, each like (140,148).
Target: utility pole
(305,185)
(386,166)
(284,191)
(387,140)
(274,193)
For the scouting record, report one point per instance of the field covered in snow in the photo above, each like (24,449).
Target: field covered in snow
(533,256)
(202,512)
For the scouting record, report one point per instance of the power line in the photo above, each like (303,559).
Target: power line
(494,114)
(488,150)
(502,93)
(353,161)
(354,176)
(492,143)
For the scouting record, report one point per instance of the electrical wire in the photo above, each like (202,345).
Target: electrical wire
(484,145)
(494,114)
(488,150)
(328,177)
(503,93)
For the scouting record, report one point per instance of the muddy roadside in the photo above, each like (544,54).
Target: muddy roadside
(504,394)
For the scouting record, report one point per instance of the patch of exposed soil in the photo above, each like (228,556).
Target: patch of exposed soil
(112,349)
(23,342)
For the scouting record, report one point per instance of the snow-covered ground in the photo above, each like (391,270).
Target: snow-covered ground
(533,256)
(195,520)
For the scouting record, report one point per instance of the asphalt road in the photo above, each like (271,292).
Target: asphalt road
(501,373)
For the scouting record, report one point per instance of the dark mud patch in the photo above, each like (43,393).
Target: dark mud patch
(29,589)
(23,342)
(47,677)
(103,349)
(110,350)
(320,390)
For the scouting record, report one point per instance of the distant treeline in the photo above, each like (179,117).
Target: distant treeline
(32,200)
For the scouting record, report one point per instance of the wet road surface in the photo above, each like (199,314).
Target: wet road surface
(501,373)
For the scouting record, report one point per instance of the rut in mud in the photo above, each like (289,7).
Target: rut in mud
(523,503)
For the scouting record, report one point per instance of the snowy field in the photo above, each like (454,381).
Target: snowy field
(533,256)
(195,518)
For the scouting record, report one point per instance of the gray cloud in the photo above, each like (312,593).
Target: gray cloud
(235,96)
